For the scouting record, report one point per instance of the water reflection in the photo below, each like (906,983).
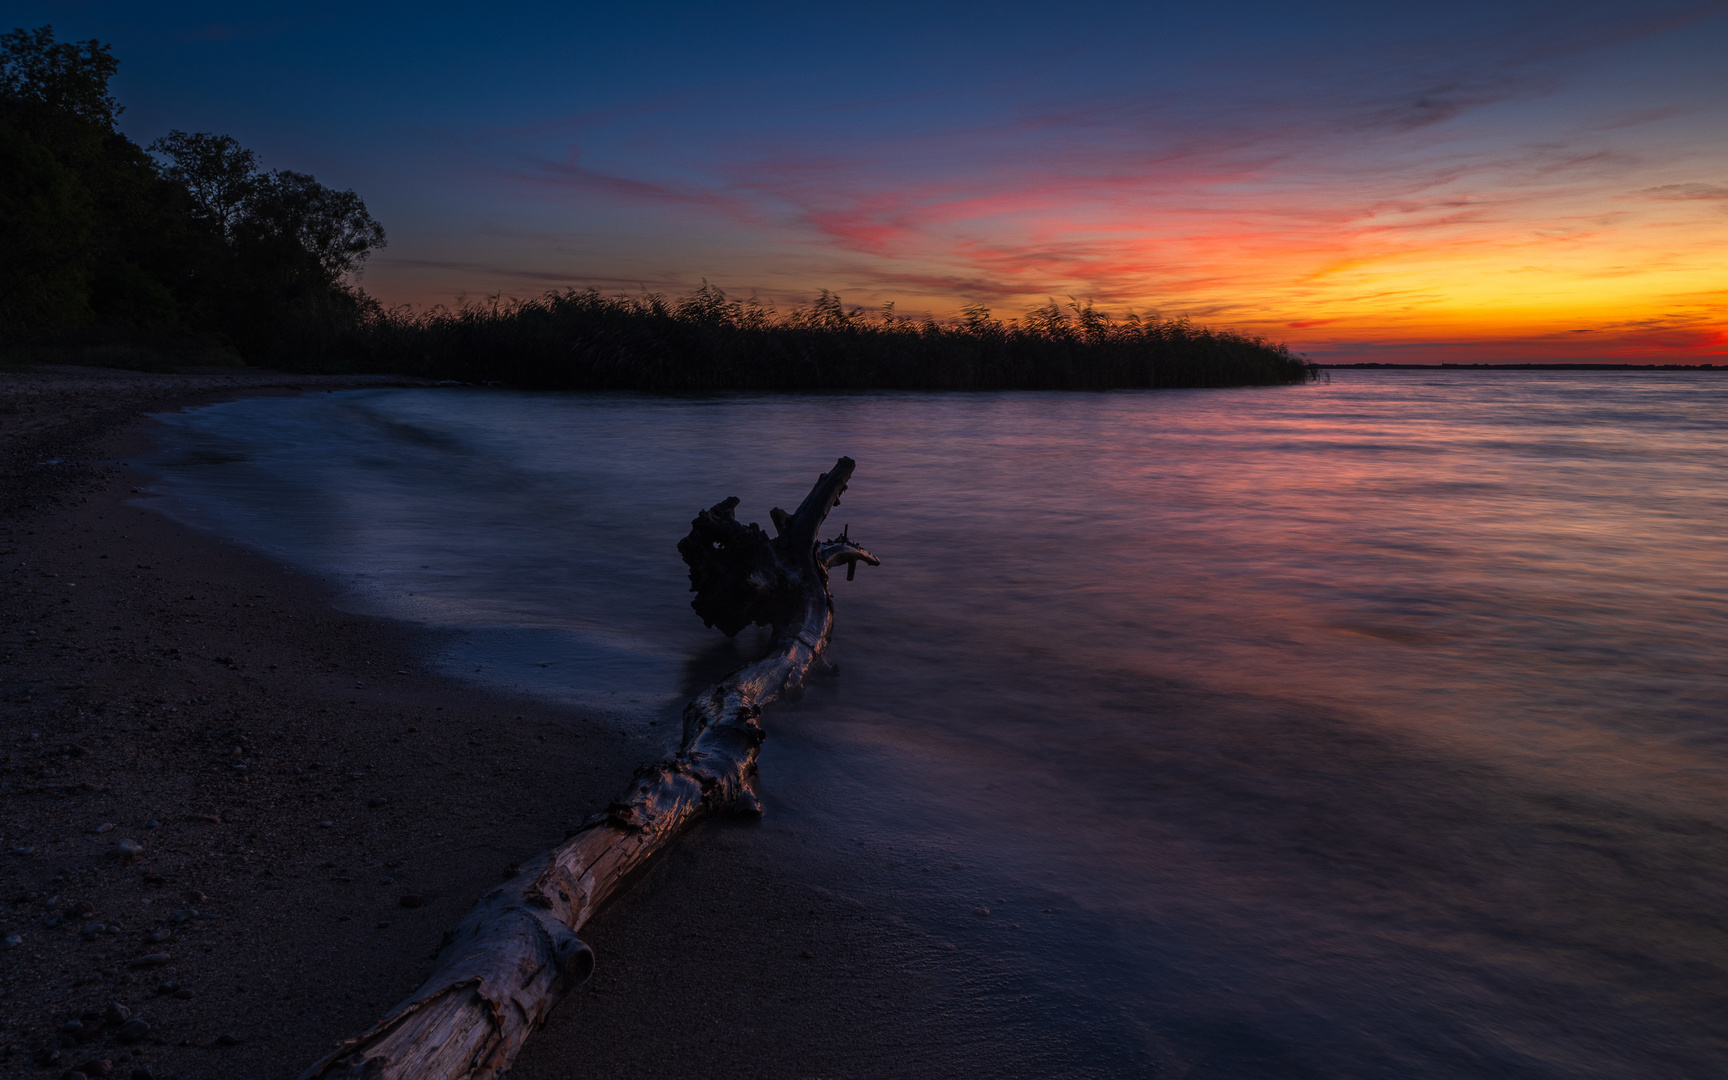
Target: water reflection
(1363,729)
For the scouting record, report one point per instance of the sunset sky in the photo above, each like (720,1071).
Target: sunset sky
(1485,182)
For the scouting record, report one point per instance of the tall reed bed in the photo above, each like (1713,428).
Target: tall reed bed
(581,339)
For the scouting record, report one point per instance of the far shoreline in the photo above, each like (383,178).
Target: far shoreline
(1571,366)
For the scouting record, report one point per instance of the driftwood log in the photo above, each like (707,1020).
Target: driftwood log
(516,953)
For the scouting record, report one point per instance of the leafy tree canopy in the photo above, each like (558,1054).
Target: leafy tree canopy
(101,239)
(218,172)
(57,91)
(333,227)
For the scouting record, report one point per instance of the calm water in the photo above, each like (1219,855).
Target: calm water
(1373,728)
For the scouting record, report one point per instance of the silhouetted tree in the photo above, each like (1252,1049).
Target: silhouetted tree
(55,111)
(45,225)
(332,228)
(58,91)
(217,171)
(97,237)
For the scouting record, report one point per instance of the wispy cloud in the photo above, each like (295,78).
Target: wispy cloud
(571,174)
(548,278)
(1688,192)
(1380,190)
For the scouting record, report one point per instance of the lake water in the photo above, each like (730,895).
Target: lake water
(1373,728)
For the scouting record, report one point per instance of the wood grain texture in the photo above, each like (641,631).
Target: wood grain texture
(516,953)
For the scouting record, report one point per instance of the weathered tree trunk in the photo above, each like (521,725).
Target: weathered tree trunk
(516,953)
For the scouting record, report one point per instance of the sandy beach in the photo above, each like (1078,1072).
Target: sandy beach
(245,818)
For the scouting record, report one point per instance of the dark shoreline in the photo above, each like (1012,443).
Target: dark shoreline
(142,653)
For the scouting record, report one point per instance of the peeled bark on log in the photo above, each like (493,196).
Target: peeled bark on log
(516,953)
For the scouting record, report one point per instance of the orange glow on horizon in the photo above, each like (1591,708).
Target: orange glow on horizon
(1622,277)
(1539,206)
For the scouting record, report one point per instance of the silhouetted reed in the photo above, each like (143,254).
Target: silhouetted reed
(581,339)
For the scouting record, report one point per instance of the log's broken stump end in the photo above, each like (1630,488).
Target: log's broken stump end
(734,571)
(741,576)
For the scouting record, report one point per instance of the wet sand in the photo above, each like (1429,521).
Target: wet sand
(314,809)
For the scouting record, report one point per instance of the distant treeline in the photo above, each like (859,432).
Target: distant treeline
(186,251)
(707,341)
